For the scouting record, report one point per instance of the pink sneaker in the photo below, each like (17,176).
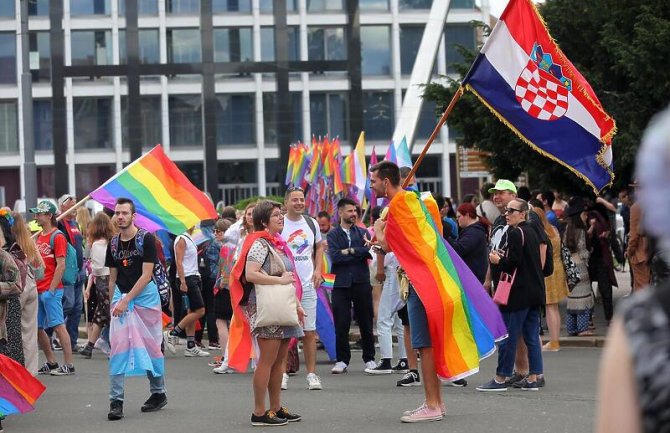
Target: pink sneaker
(423,414)
(443,409)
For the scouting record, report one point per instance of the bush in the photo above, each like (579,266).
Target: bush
(240,205)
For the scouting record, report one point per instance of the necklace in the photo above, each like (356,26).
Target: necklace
(124,262)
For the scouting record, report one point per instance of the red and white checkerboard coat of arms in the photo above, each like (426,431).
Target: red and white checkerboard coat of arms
(540,93)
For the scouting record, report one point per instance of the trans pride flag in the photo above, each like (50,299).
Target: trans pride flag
(463,321)
(524,78)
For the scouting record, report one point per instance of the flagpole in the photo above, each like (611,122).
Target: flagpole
(433,136)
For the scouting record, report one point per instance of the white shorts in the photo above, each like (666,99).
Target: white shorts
(309,305)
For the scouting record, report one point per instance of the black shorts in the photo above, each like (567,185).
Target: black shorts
(194,284)
(404,317)
(223,307)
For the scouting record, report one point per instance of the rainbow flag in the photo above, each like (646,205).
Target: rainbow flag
(463,321)
(328,281)
(19,390)
(338,184)
(326,151)
(164,197)
(325,323)
(315,165)
(360,167)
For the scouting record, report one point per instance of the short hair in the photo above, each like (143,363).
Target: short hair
(292,189)
(523,204)
(323,214)
(467,198)
(229,213)
(405,171)
(263,212)
(346,201)
(124,200)
(387,170)
(376,212)
(549,197)
(535,203)
(439,200)
(222,224)
(484,191)
(524,193)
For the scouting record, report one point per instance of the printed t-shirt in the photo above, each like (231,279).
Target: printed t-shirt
(49,257)
(129,261)
(300,238)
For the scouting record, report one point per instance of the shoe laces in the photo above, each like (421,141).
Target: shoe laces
(418,409)
(272,414)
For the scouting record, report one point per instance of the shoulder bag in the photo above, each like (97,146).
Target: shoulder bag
(276,304)
(504,286)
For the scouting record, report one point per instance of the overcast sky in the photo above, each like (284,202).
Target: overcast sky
(497,6)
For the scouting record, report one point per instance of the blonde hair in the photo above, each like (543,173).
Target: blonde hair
(25,241)
(83,218)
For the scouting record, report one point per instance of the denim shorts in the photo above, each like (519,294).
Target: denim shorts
(308,302)
(418,322)
(50,309)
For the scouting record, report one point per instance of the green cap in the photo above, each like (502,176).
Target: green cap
(45,206)
(503,185)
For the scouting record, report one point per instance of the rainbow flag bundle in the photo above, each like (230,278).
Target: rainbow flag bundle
(164,197)
(463,321)
(19,390)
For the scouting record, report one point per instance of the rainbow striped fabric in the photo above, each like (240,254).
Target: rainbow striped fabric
(19,390)
(164,197)
(463,321)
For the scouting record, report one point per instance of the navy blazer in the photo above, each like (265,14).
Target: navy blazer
(349,269)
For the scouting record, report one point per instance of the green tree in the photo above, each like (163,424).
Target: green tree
(619,47)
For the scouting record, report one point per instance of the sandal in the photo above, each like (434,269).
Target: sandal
(586,334)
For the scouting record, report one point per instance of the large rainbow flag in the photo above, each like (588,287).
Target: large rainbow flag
(164,197)
(463,321)
(19,390)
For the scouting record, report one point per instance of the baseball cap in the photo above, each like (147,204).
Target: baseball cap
(45,206)
(503,185)
(64,198)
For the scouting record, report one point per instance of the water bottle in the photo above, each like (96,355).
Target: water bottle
(184,302)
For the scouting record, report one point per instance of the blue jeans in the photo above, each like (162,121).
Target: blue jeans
(524,322)
(116,385)
(73,302)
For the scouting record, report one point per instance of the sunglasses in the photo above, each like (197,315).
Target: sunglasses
(295,188)
(510,210)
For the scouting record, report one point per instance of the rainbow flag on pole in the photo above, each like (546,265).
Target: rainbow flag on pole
(19,390)
(164,197)
(463,321)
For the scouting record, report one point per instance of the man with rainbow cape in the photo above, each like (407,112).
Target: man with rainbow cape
(453,322)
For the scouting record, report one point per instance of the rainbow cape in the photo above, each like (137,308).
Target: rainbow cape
(19,390)
(164,197)
(463,321)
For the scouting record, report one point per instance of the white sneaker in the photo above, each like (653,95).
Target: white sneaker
(195,352)
(339,368)
(284,381)
(370,365)
(169,342)
(313,382)
(223,369)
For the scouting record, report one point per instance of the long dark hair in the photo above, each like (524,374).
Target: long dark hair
(575,225)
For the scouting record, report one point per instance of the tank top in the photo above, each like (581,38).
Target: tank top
(190,260)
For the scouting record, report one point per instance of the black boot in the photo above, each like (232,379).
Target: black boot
(154,403)
(115,410)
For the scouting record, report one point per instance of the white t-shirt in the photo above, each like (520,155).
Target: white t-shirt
(300,238)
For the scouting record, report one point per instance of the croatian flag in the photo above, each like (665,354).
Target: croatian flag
(530,85)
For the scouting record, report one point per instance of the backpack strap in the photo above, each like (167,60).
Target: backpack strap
(52,239)
(310,222)
(114,246)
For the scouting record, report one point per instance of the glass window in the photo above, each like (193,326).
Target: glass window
(375,5)
(185,120)
(89,7)
(410,39)
(233,45)
(415,4)
(270,116)
(184,46)
(144,7)
(267,6)
(93,123)
(220,6)
(9,133)
(235,119)
(378,115)
(43,124)
(150,120)
(148,43)
(268,44)
(7,58)
(328,114)
(7,9)
(183,7)
(462,4)
(458,34)
(326,43)
(91,47)
(89,177)
(237,172)
(324,5)
(427,120)
(376,50)
(38,7)
(40,56)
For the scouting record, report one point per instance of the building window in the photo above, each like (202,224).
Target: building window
(270,112)
(374,5)
(40,56)
(7,58)
(150,121)
(9,133)
(415,4)
(148,44)
(184,46)
(43,124)
(376,50)
(326,43)
(328,114)
(144,7)
(268,44)
(267,6)
(410,40)
(185,120)
(462,4)
(38,7)
(233,44)
(221,6)
(378,115)
(458,34)
(231,172)
(91,47)
(7,9)
(183,7)
(89,177)
(324,5)
(235,115)
(93,123)
(89,7)
(427,120)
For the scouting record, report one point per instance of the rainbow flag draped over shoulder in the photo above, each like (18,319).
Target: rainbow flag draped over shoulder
(19,390)
(164,197)
(463,321)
